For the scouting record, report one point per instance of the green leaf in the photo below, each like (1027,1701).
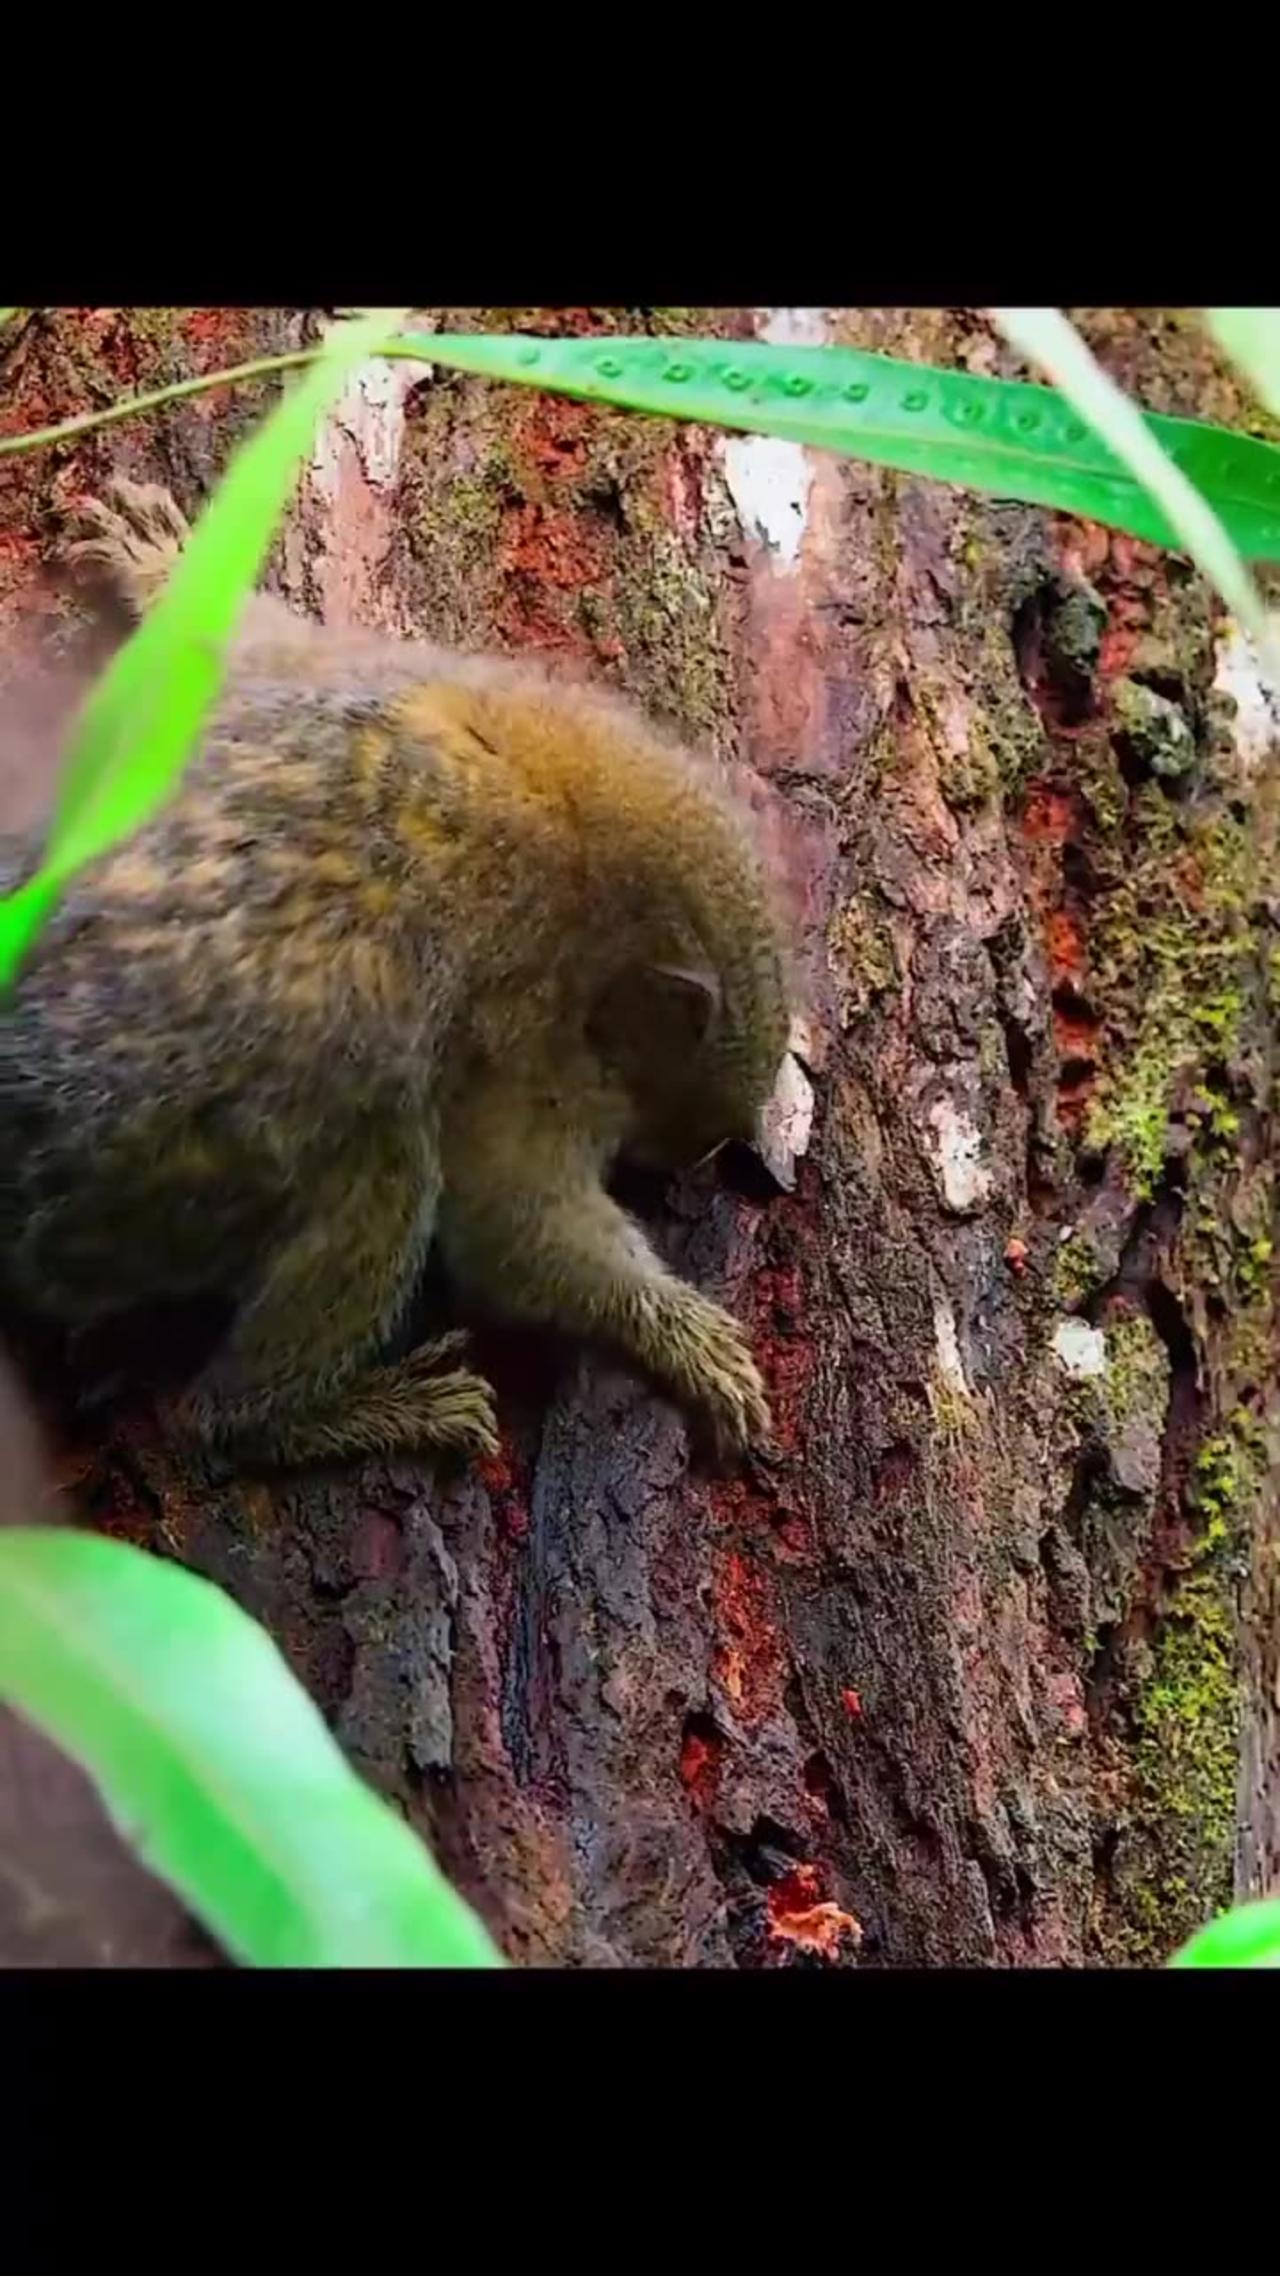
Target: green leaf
(1046,336)
(1248,1937)
(143,716)
(1251,337)
(1001,436)
(214,1763)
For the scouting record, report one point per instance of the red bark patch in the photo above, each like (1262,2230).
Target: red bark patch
(799,1915)
(1085,547)
(550,543)
(503,1479)
(1126,577)
(1116,651)
(498,1471)
(219,329)
(24,409)
(1050,816)
(1064,940)
(1073,1100)
(1075,1032)
(553,435)
(548,551)
(750,1660)
(701,1753)
(779,1310)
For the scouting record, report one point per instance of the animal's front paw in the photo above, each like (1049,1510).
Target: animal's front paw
(710,1359)
(124,543)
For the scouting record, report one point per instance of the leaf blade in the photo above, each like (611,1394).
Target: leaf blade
(1246,1937)
(209,1754)
(1003,437)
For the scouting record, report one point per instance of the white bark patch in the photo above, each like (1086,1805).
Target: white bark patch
(770,480)
(342,528)
(1257,720)
(796,327)
(950,1364)
(1081,1349)
(370,414)
(808,1043)
(963,1178)
(787,1123)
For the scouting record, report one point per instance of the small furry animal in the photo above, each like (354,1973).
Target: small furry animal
(420,946)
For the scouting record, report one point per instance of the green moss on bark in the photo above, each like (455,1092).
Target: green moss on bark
(1078,1272)
(1173,959)
(1175,1859)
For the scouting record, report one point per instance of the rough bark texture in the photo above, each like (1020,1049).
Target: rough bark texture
(983,1669)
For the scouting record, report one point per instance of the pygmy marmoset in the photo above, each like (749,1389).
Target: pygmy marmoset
(420,945)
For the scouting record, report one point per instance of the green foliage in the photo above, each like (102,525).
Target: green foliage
(1246,1937)
(205,1749)
(141,720)
(995,435)
(213,1761)
(1136,443)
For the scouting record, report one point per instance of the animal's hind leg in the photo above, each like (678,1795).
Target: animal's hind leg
(125,544)
(293,1381)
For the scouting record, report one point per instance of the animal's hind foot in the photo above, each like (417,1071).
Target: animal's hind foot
(401,1410)
(124,544)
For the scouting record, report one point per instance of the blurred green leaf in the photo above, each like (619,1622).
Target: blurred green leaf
(1001,436)
(142,718)
(1251,337)
(1248,1937)
(214,1763)
(1046,336)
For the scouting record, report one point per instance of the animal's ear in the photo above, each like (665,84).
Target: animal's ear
(690,999)
(655,1008)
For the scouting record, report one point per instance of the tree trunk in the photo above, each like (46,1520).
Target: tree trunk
(982,1669)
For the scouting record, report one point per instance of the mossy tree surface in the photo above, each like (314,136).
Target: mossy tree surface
(973,1667)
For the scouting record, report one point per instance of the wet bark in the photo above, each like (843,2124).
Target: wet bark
(981,1669)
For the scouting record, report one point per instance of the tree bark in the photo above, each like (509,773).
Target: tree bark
(982,1669)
